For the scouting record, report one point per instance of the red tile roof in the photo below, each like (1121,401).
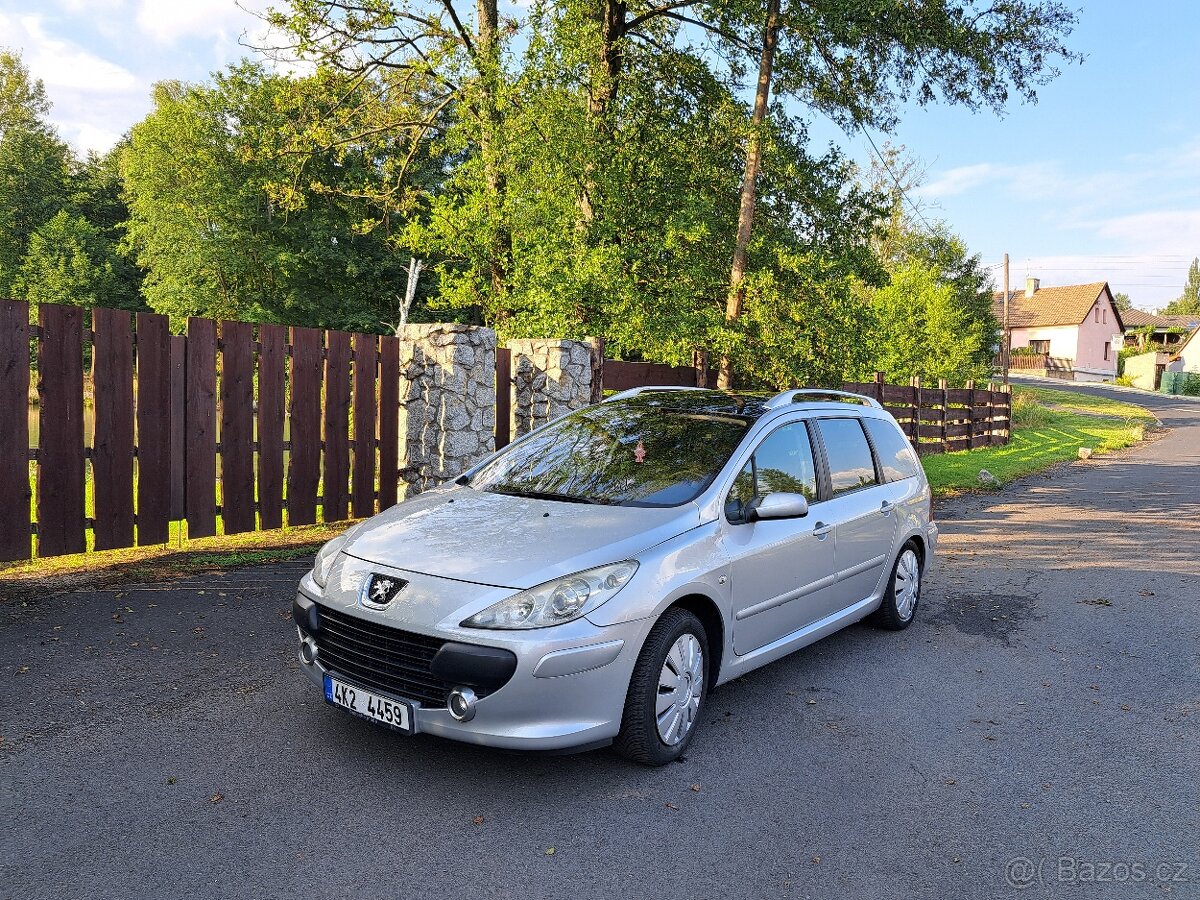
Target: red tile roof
(1065,305)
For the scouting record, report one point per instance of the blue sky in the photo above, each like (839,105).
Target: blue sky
(1099,181)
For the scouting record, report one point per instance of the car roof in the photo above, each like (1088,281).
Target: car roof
(749,406)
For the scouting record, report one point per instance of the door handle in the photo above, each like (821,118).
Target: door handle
(887,507)
(821,530)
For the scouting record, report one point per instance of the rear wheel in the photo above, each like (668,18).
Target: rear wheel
(666,692)
(903,593)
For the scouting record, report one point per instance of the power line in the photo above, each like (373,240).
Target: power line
(887,166)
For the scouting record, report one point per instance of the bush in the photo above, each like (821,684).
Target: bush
(1124,381)
(1027,412)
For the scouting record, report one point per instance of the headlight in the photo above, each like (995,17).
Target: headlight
(558,601)
(325,557)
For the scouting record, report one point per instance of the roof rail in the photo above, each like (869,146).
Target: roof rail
(633,392)
(785,398)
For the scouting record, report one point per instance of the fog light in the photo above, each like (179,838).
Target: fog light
(308,651)
(462,704)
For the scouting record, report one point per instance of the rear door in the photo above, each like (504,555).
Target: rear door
(860,511)
(782,571)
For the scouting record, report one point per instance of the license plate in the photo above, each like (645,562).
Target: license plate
(388,711)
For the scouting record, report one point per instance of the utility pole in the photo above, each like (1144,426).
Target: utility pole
(1006,346)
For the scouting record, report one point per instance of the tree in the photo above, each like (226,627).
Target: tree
(215,241)
(23,102)
(1187,303)
(1123,302)
(34,186)
(70,261)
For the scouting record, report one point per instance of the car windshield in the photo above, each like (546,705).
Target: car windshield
(637,452)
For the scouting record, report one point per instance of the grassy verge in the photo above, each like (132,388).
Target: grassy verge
(163,561)
(1049,427)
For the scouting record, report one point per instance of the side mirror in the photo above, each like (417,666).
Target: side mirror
(779,505)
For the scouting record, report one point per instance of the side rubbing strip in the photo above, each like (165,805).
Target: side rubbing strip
(786,598)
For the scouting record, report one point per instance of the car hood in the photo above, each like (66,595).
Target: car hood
(512,542)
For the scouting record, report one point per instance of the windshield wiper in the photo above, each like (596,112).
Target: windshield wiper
(544,495)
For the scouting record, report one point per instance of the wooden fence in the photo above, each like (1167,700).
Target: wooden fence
(942,419)
(172,440)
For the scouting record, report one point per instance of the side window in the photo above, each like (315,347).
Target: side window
(896,456)
(850,463)
(782,462)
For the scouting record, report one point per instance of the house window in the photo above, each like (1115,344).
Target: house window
(1105,315)
(1039,346)
(1107,349)
(1097,313)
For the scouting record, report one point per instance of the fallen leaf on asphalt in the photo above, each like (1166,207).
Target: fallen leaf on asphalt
(1046,785)
(21,670)
(1144,592)
(816,860)
(949,781)
(811,702)
(171,779)
(549,851)
(478,820)
(1126,707)
(1026,805)
(216,798)
(989,737)
(696,787)
(670,806)
(1096,601)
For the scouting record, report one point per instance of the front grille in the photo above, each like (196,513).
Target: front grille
(380,657)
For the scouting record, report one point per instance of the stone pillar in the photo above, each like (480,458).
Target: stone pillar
(447,402)
(550,378)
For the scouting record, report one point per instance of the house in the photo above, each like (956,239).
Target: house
(1143,329)
(1073,331)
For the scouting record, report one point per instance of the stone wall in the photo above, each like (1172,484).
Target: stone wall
(447,402)
(550,378)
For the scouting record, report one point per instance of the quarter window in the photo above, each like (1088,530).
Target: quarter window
(896,456)
(851,465)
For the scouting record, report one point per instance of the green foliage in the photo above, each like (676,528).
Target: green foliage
(34,186)
(70,261)
(1187,303)
(23,102)
(1185,383)
(215,243)
(1123,302)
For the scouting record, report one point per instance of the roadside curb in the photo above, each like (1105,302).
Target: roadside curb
(1108,387)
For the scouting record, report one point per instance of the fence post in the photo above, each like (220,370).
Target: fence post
(877,389)
(504,388)
(945,405)
(915,422)
(14,436)
(971,413)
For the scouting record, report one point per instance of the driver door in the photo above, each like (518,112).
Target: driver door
(782,571)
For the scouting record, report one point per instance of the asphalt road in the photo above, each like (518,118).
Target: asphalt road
(158,741)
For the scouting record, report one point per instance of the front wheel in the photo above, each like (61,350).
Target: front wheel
(903,593)
(666,692)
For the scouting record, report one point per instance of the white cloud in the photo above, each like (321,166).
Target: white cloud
(170,21)
(63,64)
(1160,231)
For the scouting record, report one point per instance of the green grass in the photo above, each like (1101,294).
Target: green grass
(1049,428)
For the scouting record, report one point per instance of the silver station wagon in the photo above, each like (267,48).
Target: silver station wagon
(592,582)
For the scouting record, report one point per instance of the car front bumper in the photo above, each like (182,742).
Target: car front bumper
(566,691)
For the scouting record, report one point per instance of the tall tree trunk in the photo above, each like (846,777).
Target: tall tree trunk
(737,276)
(610,20)
(488,61)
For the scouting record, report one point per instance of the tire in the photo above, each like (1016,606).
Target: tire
(903,594)
(641,737)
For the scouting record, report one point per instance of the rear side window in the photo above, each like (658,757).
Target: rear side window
(896,456)
(850,463)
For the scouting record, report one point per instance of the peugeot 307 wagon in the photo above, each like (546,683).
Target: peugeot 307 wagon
(592,582)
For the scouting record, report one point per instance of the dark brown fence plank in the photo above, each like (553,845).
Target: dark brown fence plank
(362,496)
(200,428)
(389,420)
(336,470)
(237,427)
(154,429)
(962,429)
(304,461)
(894,393)
(504,395)
(60,480)
(271,359)
(620,375)
(112,446)
(178,426)
(14,435)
